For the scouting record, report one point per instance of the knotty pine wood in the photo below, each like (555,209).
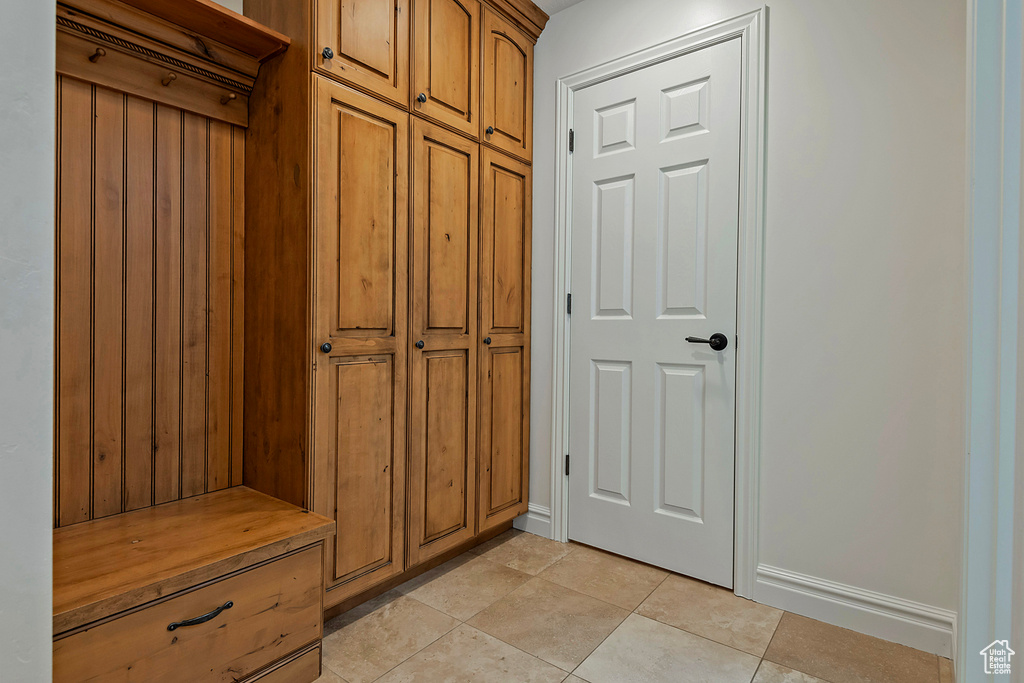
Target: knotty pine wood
(505,267)
(443,293)
(507,70)
(370,42)
(107,566)
(446,63)
(149,303)
(282,597)
(361,302)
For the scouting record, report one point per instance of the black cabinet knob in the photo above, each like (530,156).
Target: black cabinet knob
(490,130)
(718,341)
(326,347)
(328,53)
(421,98)
(487,341)
(420,344)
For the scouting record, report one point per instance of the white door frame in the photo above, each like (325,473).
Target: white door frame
(751,30)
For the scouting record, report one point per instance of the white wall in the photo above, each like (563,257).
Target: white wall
(235,5)
(26,339)
(864,339)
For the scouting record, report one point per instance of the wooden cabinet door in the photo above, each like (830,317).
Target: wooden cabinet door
(443,341)
(446,63)
(507,121)
(505,243)
(369,40)
(361,241)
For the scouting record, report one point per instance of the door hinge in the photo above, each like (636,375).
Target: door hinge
(572,141)
(568,304)
(567,464)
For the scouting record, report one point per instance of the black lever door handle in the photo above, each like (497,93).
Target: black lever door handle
(718,341)
(203,619)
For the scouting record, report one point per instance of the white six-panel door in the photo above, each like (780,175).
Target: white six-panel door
(655,181)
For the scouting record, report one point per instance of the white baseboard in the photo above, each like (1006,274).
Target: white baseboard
(536,521)
(901,621)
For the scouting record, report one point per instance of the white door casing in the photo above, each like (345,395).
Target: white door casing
(655,220)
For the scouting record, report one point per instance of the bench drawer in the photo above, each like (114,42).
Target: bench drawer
(275,610)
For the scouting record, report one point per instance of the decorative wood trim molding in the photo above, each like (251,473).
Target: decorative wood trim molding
(126,45)
(524,14)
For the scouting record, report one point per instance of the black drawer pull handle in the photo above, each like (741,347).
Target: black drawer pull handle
(203,619)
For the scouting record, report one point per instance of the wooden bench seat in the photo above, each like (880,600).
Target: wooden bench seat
(121,582)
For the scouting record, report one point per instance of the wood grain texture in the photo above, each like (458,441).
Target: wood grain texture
(361,300)
(370,41)
(280,598)
(505,267)
(507,88)
(303,668)
(446,63)
(147,226)
(107,566)
(443,293)
(527,16)
(277,399)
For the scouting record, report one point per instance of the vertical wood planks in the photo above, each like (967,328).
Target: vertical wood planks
(150,236)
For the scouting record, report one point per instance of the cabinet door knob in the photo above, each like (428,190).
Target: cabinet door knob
(490,130)
(487,341)
(328,53)
(421,98)
(420,344)
(326,347)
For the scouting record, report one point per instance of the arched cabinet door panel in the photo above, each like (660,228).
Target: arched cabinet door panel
(365,43)
(507,121)
(446,63)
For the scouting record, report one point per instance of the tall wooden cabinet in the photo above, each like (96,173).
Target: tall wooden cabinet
(388,262)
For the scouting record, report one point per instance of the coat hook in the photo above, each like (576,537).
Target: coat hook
(169,77)
(227,98)
(100,52)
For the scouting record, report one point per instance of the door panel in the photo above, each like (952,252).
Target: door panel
(507,88)
(654,252)
(505,249)
(360,380)
(370,42)
(446,63)
(443,393)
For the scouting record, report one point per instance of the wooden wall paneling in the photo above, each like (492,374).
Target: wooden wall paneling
(505,266)
(73,472)
(507,121)
(108,301)
(442,458)
(277,398)
(361,293)
(167,402)
(139,358)
(446,63)
(237,302)
(148,229)
(369,40)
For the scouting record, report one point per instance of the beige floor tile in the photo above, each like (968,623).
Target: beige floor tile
(644,650)
(467,655)
(464,586)
(841,656)
(522,551)
(328,676)
(770,672)
(605,576)
(368,641)
(946,671)
(712,612)
(549,621)
(574,679)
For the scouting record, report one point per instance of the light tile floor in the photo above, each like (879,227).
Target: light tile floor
(524,609)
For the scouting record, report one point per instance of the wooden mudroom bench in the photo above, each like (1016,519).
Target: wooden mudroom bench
(226,586)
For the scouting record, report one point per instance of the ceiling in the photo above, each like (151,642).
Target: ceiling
(552,6)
